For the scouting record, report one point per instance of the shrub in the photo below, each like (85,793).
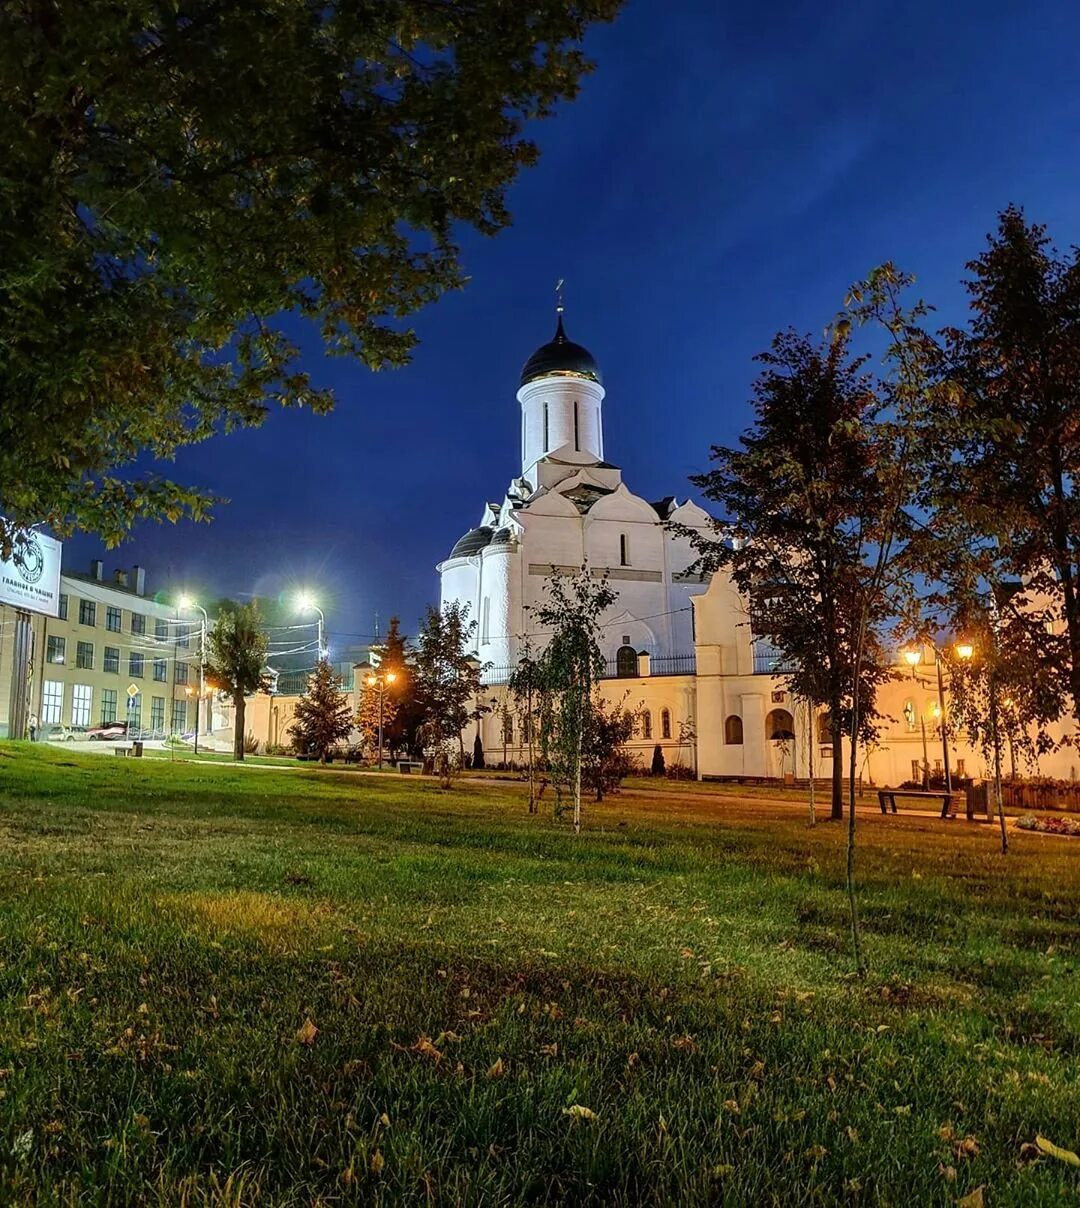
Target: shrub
(658,765)
(251,744)
(1050,826)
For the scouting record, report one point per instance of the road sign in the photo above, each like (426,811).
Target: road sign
(133,690)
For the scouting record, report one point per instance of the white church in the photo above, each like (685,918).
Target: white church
(678,647)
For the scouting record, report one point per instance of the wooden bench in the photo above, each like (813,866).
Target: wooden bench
(406,766)
(887,799)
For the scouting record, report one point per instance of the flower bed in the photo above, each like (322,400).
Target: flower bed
(1050,826)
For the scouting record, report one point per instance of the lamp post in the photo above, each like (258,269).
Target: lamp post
(186,604)
(965,650)
(381,679)
(913,656)
(305,602)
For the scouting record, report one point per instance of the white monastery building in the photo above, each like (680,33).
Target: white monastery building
(678,647)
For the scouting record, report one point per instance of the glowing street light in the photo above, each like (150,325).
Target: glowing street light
(381,679)
(913,657)
(305,602)
(188,603)
(965,651)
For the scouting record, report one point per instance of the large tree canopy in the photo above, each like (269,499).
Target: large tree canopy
(177,176)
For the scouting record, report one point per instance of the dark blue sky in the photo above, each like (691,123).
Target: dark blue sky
(727,171)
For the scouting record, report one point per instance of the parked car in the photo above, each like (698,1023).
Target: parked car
(66,734)
(108,731)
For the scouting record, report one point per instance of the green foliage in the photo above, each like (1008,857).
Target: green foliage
(169,929)
(236,649)
(604,758)
(478,753)
(447,675)
(402,711)
(323,716)
(177,178)
(659,767)
(801,499)
(570,664)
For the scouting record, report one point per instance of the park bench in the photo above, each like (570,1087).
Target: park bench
(405,766)
(129,749)
(887,799)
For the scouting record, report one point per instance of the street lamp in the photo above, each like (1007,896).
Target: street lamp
(913,657)
(965,650)
(187,603)
(381,679)
(305,602)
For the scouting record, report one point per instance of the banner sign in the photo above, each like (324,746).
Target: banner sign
(30,578)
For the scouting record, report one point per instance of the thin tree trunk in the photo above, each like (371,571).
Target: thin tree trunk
(810,719)
(577,771)
(995,732)
(239,706)
(853,905)
(837,730)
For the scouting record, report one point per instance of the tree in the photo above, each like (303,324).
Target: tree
(447,675)
(605,760)
(236,648)
(323,716)
(368,712)
(178,178)
(798,496)
(658,765)
(478,752)
(526,687)
(570,664)
(1004,489)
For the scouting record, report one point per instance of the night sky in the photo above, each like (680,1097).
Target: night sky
(727,171)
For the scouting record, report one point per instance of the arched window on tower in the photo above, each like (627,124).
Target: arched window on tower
(545,427)
(733,731)
(779,725)
(665,723)
(577,434)
(626,661)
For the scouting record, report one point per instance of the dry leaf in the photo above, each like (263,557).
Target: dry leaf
(306,1033)
(579,1112)
(424,1048)
(377,1162)
(973,1199)
(816,1152)
(1055,1151)
(497,1070)
(967,1148)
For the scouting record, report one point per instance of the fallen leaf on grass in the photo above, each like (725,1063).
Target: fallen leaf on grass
(306,1033)
(816,1152)
(1055,1151)
(578,1112)
(378,1162)
(497,1069)
(973,1199)
(966,1148)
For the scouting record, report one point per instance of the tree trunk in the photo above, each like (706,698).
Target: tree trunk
(853,905)
(995,733)
(810,719)
(239,705)
(837,732)
(577,772)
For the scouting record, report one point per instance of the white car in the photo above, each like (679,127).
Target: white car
(65,734)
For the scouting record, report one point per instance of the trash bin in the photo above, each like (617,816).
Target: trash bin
(136,749)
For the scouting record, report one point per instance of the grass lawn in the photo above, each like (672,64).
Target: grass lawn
(227,986)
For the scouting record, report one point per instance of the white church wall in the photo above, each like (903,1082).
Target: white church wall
(559,395)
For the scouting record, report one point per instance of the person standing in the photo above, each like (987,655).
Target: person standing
(32,726)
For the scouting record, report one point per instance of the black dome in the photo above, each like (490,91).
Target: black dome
(561,357)
(472,543)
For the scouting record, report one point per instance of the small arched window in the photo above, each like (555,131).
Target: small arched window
(733,731)
(508,728)
(626,661)
(646,724)
(624,550)
(665,723)
(909,716)
(779,725)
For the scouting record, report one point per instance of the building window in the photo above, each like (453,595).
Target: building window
(134,712)
(625,662)
(824,728)
(108,705)
(181,673)
(916,770)
(52,702)
(138,624)
(161,630)
(779,725)
(179,716)
(733,731)
(665,723)
(960,767)
(157,713)
(624,550)
(646,724)
(135,664)
(84,655)
(114,618)
(577,440)
(87,612)
(55,649)
(183,640)
(160,670)
(82,696)
(545,427)
(508,729)
(112,659)
(63,607)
